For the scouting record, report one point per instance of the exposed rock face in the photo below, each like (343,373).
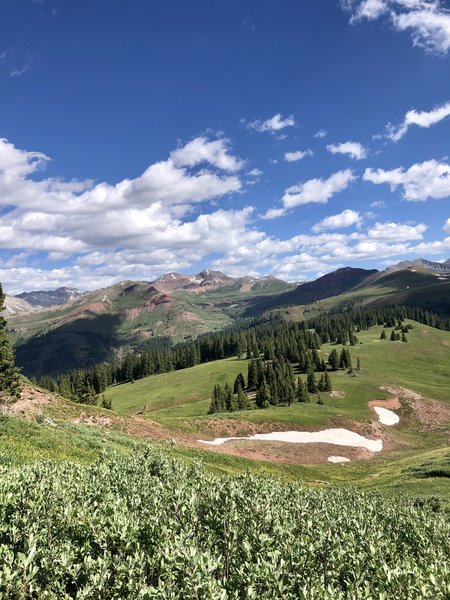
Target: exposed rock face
(440,268)
(15,306)
(44,298)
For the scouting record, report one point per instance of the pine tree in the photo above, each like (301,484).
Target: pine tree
(238,383)
(243,401)
(333,360)
(404,338)
(229,404)
(327,383)
(9,373)
(311,383)
(302,392)
(383,335)
(321,384)
(393,336)
(263,395)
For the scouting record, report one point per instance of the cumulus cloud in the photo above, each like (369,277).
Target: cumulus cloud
(255,173)
(427,20)
(320,134)
(272,125)
(201,150)
(430,179)
(390,231)
(353,149)
(447,226)
(346,218)
(312,191)
(419,118)
(297,155)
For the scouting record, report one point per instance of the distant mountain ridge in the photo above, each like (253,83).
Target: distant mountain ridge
(423,264)
(46,298)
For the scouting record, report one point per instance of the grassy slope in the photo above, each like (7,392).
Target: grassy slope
(181,393)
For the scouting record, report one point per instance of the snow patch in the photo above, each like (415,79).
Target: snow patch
(385,416)
(338,459)
(339,437)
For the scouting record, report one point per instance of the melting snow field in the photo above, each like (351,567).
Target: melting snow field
(339,437)
(385,416)
(338,459)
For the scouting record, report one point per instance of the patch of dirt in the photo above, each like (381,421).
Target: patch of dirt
(32,400)
(97,420)
(96,307)
(189,316)
(337,394)
(431,414)
(391,403)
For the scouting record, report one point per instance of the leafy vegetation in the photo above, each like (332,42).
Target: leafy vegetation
(150,526)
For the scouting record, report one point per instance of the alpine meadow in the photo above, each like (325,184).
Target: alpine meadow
(225,300)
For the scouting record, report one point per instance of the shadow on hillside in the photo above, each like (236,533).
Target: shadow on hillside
(80,344)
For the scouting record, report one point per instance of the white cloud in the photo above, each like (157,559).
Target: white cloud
(272,125)
(312,191)
(353,149)
(317,190)
(346,218)
(255,173)
(419,118)
(427,20)
(320,134)
(297,155)
(201,150)
(430,179)
(446,227)
(397,231)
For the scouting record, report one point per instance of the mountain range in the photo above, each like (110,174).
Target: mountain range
(90,327)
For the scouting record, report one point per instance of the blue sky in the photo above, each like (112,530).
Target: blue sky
(283,137)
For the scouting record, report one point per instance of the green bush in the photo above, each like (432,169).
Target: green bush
(149,526)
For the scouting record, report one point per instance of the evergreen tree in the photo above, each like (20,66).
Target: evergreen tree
(333,360)
(263,395)
(393,336)
(311,383)
(302,392)
(243,401)
(383,335)
(404,338)
(238,383)
(327,383)
(9,373)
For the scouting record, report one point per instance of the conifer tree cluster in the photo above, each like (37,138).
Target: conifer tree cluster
(9,373)
(223,399)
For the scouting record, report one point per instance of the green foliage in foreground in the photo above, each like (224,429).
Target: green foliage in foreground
(149,526)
